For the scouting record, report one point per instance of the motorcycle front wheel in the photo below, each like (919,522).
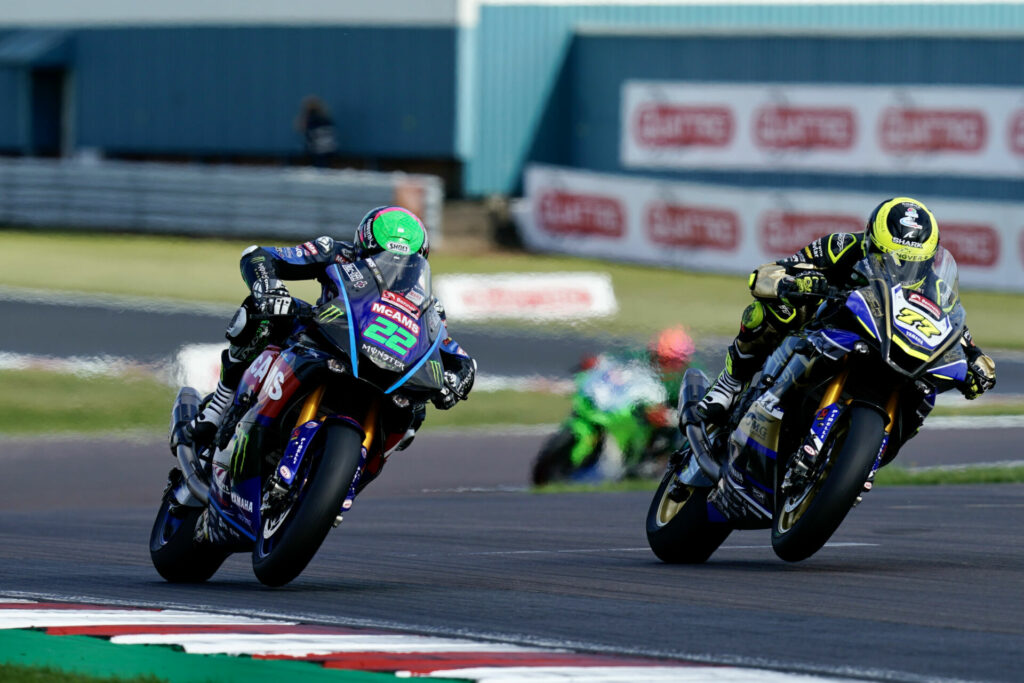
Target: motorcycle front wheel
(293,530)
(554,462)
(679,529)
(175,555)
(806,518)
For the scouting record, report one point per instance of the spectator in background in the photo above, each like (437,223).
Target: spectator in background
(318,132)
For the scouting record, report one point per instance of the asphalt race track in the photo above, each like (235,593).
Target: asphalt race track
(920,583)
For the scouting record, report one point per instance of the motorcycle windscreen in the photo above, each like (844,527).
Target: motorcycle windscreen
(390,319)
(911,308)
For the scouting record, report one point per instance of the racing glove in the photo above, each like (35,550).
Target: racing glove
(273,298)
(459,375)
(805,286)
(981,376)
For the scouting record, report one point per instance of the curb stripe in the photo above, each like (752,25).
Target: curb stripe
(109,631)
(347,654)
(48,618)
(297,645)
(415,664)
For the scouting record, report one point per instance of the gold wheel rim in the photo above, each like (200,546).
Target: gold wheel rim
(668,508)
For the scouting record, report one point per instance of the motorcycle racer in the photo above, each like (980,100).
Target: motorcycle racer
(269,314)
(787,292)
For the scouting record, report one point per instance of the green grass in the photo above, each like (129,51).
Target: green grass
(15,673)
(34,401)
(650,298)
(983,406)
(502,408)
(896,476)
(40,402)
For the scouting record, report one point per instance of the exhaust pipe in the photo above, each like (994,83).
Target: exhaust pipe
(186,407)
(694,386)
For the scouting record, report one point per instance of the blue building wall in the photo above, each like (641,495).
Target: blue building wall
(524,60)
(230,90)
(527,82)
(598,65)
(12,134)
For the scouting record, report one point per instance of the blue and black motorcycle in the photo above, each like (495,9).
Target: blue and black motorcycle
(313,422)
(832,404)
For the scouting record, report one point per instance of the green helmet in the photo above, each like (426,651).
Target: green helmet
(903,227)
(394,229)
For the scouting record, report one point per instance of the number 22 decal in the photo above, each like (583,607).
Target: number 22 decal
(390,335)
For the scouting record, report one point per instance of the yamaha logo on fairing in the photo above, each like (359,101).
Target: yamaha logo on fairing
(241,502)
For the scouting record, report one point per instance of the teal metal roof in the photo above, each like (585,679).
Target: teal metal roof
(34,47)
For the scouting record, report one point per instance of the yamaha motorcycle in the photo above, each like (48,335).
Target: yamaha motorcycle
(832,404)
(312,423)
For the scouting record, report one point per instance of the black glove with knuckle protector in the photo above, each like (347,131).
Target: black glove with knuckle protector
(981,376)
(273,298)
(810,285)
(458,381)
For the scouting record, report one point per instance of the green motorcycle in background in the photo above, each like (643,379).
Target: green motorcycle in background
(621,426)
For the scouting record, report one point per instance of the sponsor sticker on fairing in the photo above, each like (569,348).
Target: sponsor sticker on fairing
(416,297)
(927,304)
(396,299)
(397,316)
(352,272)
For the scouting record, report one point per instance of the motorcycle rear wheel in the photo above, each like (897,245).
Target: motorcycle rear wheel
(289,540)
(680,531)
(806,519)
(175,555)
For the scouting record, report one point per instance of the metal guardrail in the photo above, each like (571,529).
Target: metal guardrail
(223,201)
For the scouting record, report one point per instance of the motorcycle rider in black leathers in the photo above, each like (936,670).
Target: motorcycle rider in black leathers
(787,292)
(269,315)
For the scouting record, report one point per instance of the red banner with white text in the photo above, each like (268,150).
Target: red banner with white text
(728,229)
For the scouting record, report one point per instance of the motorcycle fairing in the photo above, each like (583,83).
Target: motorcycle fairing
(243,513)
(921,319)
(384,325)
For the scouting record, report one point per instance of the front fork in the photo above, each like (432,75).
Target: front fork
(307,414)
(828,410)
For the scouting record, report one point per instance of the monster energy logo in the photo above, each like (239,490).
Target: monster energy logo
(435,370)
(329,314)
(238,455)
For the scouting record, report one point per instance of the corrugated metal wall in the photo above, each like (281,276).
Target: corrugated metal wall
(600,64)
(237,90)
(522,52)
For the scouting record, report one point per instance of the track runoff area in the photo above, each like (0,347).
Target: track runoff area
(185,646)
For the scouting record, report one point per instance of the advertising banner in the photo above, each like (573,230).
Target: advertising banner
(963,131)
(728,229)
(527,296)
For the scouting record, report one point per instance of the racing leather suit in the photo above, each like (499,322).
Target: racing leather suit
(771,316)
(264,268)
